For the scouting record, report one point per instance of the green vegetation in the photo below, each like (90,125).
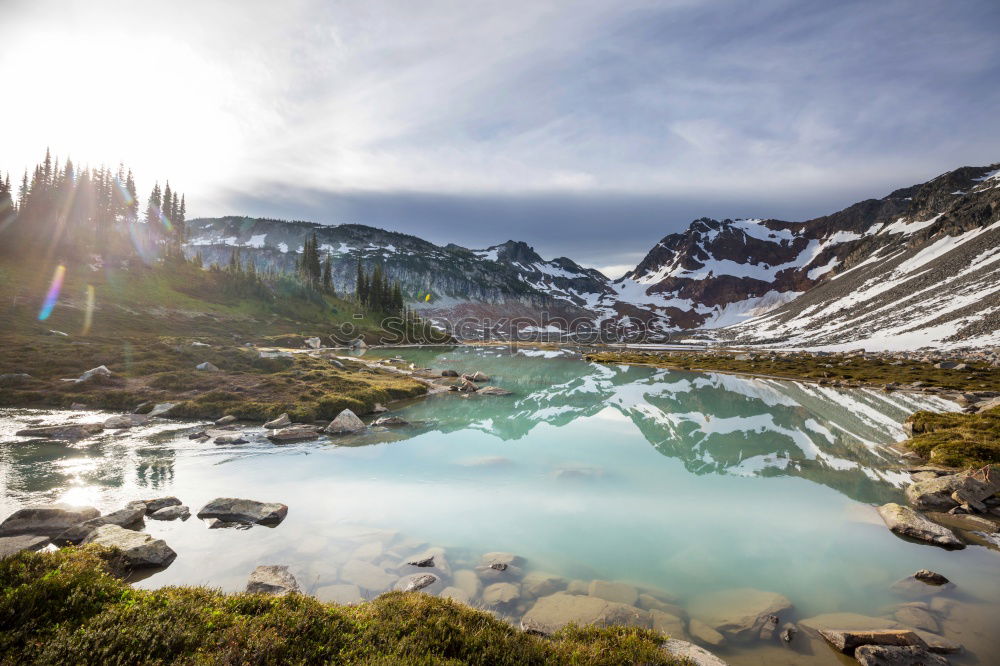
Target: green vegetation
(852,370)
(957,440)
(67,607)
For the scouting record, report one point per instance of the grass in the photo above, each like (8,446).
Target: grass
(68,607)
(853,370)
(957,440)
(163,370)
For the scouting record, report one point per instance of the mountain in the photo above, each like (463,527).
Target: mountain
(919,266)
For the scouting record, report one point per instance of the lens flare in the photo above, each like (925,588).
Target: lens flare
(53,296)
(88,315)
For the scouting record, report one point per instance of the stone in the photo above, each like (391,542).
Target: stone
(477,377)
(358,344)
(161,408)
(207,367)
(913,588)
(280,422)
(14,378)
(883,655)
(340,594)
(930,577)
(553,612)
(226,420)
(69,431)
(788,631)
(235,438)
(468,582)
(415,582)
(703,633)
(649,602)
(500,593)
(738,612)
(368,551)
(154,505)
(964,521)
(541,584)
(379,408)
(99,371)
(235,510)
(390,422)
(345,423)
(130,518)
(171,513)
(455,594)
(500,557)
(449,373)
(46,520)
(139,549)
(578,586)
(694,654)
(666,623)
(268,353)
(422,562)
(847,640)
(272,579)
(124,421)
(295,433)
(366,575)
(918,618)
(9,545)
(622,593)
(313,342)
(904,521)
(769,628)
(936,494)
(938,644)
(493,390)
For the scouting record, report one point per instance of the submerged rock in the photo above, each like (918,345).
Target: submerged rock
(622,593)
(236,510)
(272,579)
(883,655)
(703,633)
(848,640)
(455,594)
(340,594)
(295,433)
(493,390)
(49,520)
(539,584)
(667,623)
(367,575)
(391,422)
(235,438)
(551,613)
(738,613)
(500,593)
(904,521)
(140,549)
(345,423)
(69,431)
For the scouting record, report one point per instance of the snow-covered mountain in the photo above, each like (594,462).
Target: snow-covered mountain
(919,266)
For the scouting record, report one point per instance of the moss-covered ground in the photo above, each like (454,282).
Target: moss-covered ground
(66,607)
(957,440)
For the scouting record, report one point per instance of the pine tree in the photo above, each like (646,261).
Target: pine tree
(153,208)
(327,275)
(361,284)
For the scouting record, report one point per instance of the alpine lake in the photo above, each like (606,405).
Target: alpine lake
(699,495)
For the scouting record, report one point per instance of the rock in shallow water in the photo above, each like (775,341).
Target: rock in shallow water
(280,422)
(272,579)
(930,577)
(70,431)
(345,423)
(740,612)
(696,655)
(415,582)
(622,593)
(848,640)
(553,612)
(236,510)
(48,520)
(906,522)
(140,549)
(130,518)
(295,433)
(881,655)
(171,513)
(154,505)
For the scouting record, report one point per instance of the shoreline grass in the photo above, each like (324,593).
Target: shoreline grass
(67,607)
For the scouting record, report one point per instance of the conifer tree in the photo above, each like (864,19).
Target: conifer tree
(327,275)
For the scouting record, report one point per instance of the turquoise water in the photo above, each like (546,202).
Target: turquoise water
(683,482)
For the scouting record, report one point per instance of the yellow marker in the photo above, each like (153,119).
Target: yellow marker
(427,298)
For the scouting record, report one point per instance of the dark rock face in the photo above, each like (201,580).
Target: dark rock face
(48,520)
(235,510)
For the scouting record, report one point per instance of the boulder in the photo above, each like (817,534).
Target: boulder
(493,390)
(467,581)
(936,494)
(366,575)
(273,579)
(345,423)
(917,617)
(379,408)
(906,522)
(415,582)
(46,520)
(930,577)
(130,518)
(69,431)
(914,588)
(99,371)
(740,612)
(161,408)
(337,364)
(455,594)
(235,438)
(500,557)
(278,423)
(422,562)
(295,433)
(553,612)
(703,633)
(225,420)
(340,594)
(171,513)
(235,510)
(140,549)
(477,377)
(449,373)
(501,593)
(10,545)
(622,593)
(540,584)
(313,342)
(884,655)
(649,602)
(667,623)
(391,422)
(938,644)
(358,344)
(788,631)
(276,354)
(207,367)
(696,655)
(848,640)
(154,505)
(123,421)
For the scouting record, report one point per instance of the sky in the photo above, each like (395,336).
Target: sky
(588,129)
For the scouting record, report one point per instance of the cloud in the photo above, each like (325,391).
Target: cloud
(667,110)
